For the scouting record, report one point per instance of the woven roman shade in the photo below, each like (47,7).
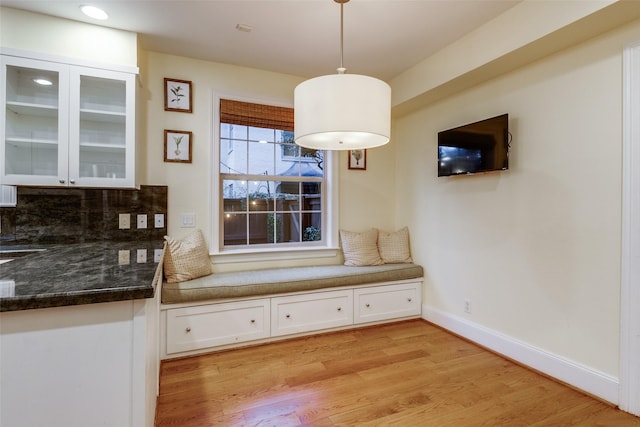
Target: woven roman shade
(256,115)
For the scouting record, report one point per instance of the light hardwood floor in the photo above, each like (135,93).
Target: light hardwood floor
(409,373)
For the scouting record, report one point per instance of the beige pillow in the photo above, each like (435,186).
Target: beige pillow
(186,258)
(360,248)
(394,247)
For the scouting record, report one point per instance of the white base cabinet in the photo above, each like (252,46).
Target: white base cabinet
(188,329)
(79,366)
(386,302)
(311,312)
(192,328)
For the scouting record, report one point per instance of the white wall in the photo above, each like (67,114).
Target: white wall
(536,249)
(366,197)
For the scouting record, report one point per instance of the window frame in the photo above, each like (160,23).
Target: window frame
(221,254)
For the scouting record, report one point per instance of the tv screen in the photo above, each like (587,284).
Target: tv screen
(476,147)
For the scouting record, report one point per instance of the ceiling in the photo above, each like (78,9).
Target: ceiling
(382,38)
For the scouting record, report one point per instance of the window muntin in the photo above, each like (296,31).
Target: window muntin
(273,192)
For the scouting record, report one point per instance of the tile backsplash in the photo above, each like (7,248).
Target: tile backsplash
(77,215)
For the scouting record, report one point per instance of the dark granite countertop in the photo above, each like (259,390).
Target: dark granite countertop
(73,274)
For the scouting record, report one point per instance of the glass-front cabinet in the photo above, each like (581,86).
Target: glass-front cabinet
(66,125)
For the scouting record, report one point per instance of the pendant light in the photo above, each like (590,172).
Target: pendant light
(342,111)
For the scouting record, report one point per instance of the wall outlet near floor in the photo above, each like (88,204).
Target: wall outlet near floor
(157,255)
(142,221)
(467,306)
(124,221)
(158,220)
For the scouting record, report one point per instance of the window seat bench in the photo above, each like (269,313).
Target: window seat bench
(225,310)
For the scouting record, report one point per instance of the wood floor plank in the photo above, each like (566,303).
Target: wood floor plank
(401,374)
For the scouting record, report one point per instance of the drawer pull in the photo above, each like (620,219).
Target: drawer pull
(367,305)
(409,299)
(188,329)
(288,316)
(253,320)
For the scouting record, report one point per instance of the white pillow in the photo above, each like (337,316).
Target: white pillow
(186,258)
(394,247)
(360,248)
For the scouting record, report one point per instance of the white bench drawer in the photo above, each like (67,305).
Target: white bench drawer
(311,312)
(194,328)
(387,302)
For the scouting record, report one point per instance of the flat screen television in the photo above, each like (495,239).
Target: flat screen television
(476,147)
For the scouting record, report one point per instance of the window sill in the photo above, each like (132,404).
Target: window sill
(251,255)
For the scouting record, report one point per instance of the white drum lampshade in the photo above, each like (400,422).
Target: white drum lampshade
(342,112)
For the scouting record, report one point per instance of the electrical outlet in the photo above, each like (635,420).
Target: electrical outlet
(467,306)
(141,256)
(7,288)
(124,221)
(142,221)
(158,220)
(157,255)
(123,257)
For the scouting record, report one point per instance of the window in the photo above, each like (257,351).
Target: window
(273,193)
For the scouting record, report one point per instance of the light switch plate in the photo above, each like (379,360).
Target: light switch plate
(124,221)
(142,221)
(187,220)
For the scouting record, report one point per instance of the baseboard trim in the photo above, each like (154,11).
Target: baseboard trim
(593,382)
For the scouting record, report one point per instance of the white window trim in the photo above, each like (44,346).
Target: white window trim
(330,247)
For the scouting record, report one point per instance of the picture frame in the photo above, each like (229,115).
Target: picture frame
(178,95)
(178,146)
(358,159)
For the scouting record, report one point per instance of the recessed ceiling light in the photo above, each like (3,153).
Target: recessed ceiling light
(42,81)
(94,12)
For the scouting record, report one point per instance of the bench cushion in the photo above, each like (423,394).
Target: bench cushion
(283,280)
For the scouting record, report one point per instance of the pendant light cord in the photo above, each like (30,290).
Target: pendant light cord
(341,69)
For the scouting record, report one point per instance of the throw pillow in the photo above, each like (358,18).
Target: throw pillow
(360,248)
(186,258)
(394,247)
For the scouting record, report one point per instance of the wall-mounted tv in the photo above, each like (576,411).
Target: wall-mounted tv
(476,147)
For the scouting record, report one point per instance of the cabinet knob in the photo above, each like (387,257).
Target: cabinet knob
(188,329)
(367,305)
(253,320)
(288,316)
(339,308)
(72,181)
(409,299)
(61,181)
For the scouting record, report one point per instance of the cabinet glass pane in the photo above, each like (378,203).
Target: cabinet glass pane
(31,132)
(102,127)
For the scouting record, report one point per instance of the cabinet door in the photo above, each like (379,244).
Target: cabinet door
(311,312)
(102,128)
(387,302)
(194,328)
(34,124)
